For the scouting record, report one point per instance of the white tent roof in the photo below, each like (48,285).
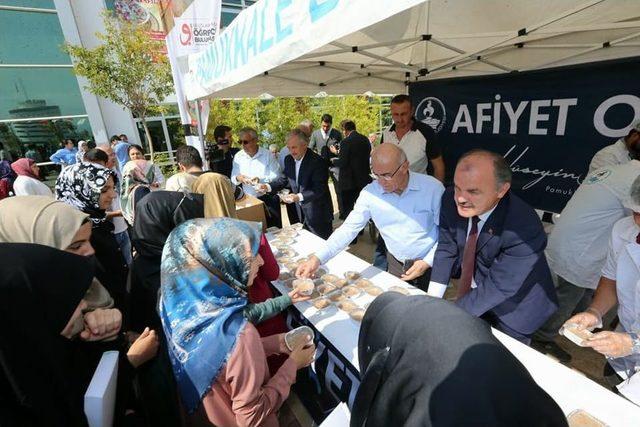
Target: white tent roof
(455,38)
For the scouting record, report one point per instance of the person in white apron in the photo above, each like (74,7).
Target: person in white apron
(620,283)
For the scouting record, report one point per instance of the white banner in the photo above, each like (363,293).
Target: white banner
(273,32)
(192,26)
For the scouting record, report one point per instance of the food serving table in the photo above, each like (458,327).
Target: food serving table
(337,368)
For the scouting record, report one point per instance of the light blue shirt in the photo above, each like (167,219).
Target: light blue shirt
(122,153)
(282,155)
(262,165)
(64,156)
(408,222)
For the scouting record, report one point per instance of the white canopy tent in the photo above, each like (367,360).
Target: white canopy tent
(424,40)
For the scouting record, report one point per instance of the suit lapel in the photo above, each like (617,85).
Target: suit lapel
(493,226)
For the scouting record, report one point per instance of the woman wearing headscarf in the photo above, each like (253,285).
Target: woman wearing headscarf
(45,221)
(219,200)
(90,189)
(218,358)
(83,147)
(156,216)
(138,179)
(28,181)
(426,362)
(43,375)
(7,177)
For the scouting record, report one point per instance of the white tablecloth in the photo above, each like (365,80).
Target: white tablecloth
(570,389)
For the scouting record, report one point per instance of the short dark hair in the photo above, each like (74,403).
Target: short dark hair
(68,140)
(96,156)
(349,125)
(220,131)
(122,134)
(132,146)
(114,138)
(501,169)
(188,156)
(326,118)
(400,99)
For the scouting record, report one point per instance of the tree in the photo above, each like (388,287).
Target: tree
(127,69)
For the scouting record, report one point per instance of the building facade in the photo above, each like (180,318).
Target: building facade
(42,102)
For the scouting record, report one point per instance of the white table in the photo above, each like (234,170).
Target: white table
(570,389)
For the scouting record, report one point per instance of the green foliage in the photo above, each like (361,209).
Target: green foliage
(126,68)
(275,118)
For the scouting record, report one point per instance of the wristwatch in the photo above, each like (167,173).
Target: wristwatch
(635,340)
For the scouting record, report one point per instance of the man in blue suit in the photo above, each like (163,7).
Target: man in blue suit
(495,243)
(306,174)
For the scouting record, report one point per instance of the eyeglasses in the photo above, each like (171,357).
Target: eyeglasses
(386,177)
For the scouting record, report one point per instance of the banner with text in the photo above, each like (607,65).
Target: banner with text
(191,27)
(274,32)
(548,124)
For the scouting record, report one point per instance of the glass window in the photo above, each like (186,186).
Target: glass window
(41,4)
(39,92)
(157,136)
(176,133)
(43,136)
(233,2)
(227,18)
(34,38)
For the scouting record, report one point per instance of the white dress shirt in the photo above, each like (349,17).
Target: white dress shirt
(297,164)
(437,289)
(408,222)
(262,165)
(27,186)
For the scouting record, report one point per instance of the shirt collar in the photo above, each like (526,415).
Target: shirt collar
(414,125)
(485,216)
(299,161)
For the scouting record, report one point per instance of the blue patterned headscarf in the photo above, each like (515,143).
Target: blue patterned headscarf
(205,269)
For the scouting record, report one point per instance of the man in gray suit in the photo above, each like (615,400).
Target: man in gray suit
(320,142)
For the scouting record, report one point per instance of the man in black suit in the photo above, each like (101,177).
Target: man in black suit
(495,242)
(307,176)
(353,162)
(321,141)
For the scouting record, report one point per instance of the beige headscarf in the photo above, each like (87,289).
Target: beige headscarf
(39,219)
(218,195)
(45,221)
(181,181)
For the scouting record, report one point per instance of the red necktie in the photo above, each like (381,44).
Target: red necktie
(469,259)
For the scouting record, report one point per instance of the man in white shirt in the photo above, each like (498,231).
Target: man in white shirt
(115,214)
(405,206)
(255,168)
(577,249)
(619,285)
(622,151)
(417,139)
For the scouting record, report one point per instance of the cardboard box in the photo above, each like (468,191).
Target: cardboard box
(250,208)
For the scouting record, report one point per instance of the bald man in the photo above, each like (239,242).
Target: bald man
(404,206)
(495,243)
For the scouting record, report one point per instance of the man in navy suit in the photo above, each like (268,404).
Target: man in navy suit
(495,242)
(306,174)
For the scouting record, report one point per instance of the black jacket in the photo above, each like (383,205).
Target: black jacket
(353,162)
(313,183)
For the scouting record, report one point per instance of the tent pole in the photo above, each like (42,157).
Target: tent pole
(200,132)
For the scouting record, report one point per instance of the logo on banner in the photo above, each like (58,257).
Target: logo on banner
(431,111)
(185,34)
(197,33)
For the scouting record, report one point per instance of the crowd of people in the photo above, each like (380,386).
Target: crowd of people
(117,257)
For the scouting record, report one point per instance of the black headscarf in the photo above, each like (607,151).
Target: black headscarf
(426,362)
(40,288)
(156,215)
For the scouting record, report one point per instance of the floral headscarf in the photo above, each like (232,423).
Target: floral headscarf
(79,185)
(205,270)
(135,173)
